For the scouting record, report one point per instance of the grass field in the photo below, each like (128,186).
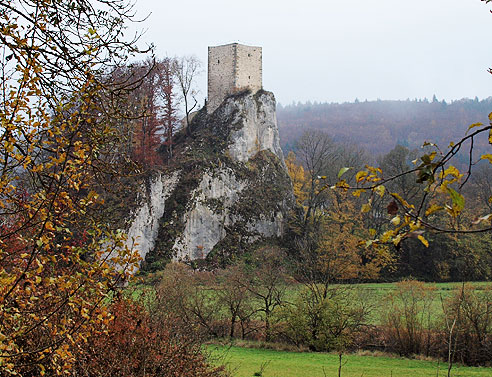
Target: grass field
(376,294)
(245,362)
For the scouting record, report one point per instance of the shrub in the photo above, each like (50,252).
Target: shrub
(408,318)
(135,344)
(325,324)
(472,309)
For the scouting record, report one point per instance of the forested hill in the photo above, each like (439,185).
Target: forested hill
(378,126)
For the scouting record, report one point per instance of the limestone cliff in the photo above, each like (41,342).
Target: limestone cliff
(227,187)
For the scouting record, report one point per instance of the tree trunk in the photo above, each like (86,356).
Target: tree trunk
(340,355)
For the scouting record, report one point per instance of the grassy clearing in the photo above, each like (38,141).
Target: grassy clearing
(376,294)
(245,362)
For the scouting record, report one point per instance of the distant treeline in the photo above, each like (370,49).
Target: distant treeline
(378,126)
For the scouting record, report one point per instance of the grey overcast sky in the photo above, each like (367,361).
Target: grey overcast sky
(338,50)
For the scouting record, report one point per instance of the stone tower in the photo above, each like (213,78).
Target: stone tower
(232,68)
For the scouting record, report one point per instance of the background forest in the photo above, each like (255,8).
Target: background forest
(377,126)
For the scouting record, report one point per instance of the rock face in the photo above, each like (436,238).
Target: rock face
(230,186)
(205,223)
(145,225)
(259,130)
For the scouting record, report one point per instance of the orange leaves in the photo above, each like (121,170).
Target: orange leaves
(134,342)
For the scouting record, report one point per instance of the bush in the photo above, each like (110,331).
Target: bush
(135,343)
(191,296)
(325,324)
(408,318)
(472,310)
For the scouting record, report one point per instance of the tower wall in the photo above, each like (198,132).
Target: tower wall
(248,68)
(232,68)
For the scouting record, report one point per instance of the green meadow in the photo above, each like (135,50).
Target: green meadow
(375,294)
(248,362)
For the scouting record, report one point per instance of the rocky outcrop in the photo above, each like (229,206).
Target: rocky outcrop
(145,225)
(258,131)
(209,214)
(230,187)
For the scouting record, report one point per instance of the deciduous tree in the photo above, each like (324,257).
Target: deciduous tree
(58,261)
(186,70)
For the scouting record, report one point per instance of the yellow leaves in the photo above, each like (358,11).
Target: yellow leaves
(298,177)
(388,235)
(47,154)
(402,201)
(373,174)
(397,239)
(80,150)
(85,313)
(428,158)
(75,185)
(93,195)
(49,226)
(81,153)
(342,184)
(360,176)
(433,208)
(64,195)
(455,175)
(423,240)
(380,190)
(357,193)
(374,170)
(451,170)
(486,157)
(473,126)
(366,207)
(40,266)
(415,225)
(395,221)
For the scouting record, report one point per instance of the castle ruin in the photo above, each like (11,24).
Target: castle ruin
(231,69)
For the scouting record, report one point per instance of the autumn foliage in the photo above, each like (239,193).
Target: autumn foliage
(152,108)
(330,230)
(60,256)
(136,342)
